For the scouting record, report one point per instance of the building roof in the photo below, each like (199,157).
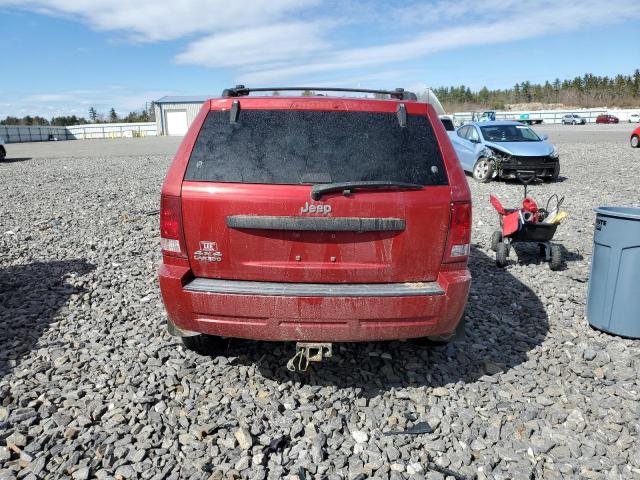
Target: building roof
(184,99)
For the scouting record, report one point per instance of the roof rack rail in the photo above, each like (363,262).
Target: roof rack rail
(241,91)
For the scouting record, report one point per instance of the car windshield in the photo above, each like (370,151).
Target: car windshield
(509,133)
(309,147)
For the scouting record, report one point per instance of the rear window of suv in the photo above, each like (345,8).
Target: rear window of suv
(306,147)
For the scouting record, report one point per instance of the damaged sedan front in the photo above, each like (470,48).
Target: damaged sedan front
(502,149)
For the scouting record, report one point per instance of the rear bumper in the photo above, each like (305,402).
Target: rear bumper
(541,169)
(313,312)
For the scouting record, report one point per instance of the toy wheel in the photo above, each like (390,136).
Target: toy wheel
(556,258)
(496,238)
(483,170)
(502,253)
(635,141)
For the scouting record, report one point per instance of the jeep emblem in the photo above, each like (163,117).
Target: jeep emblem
(320,208)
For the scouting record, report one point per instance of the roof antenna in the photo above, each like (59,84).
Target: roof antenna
(401,113)
(234,112)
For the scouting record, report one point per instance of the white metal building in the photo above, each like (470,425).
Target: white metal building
(175,114)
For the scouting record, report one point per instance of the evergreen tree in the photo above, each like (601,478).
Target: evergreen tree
(151,111)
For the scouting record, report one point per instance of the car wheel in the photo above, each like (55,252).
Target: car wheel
(502,253)
(496,238)
(441,340)
(428,342)
(556,258)
(555,175)
(3,153)
(573,123)
(483,170)
(635,141)
(203,344)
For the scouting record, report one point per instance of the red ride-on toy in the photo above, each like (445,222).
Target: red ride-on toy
(528,224)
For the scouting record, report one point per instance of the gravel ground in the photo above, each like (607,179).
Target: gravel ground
(91,385)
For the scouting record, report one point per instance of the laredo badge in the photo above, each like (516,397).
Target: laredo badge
(208,252)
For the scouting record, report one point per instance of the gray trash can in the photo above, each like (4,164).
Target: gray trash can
(613,300)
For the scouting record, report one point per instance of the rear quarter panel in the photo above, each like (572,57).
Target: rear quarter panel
(173,181)
(457,180)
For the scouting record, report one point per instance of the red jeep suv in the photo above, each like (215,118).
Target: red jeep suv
(315,219)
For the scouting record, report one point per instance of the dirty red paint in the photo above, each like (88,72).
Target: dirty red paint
(416,254)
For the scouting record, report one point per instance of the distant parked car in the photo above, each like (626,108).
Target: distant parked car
(634,118)
(573,119)
(502,149)
(3,152)
(607,119)
(635,138)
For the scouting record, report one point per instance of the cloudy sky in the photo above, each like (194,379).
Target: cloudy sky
(64,56)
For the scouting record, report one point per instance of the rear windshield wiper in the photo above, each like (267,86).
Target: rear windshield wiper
(317,191)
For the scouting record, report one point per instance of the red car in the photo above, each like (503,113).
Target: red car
(607,119)
(315,219)
(635,138)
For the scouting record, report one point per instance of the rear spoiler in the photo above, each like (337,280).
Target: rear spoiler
(242,91)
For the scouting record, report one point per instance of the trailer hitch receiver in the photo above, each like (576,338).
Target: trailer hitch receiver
(308,352)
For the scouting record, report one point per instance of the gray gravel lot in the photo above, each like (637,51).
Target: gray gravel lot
(91,385)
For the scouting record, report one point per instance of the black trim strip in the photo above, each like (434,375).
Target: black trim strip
(401,113)
(234,112)
(316,224)
(238,287)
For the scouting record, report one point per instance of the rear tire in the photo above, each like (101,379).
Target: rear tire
(442,340)
(635,141)
(483,170)
(556,258)
(203,344)
(502,253)
(427,342)
(496,238)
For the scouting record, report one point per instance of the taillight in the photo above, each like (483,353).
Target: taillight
(459,238)
(171,237)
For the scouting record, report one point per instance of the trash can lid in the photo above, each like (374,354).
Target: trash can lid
(630,213)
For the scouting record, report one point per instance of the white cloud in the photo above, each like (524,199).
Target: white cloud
(153,20)
(49,97)
(553,19)
(443,11)
(261,45)
(322,41)
(78,102)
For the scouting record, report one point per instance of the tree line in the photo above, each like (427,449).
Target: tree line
(143,115)
(586,91)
